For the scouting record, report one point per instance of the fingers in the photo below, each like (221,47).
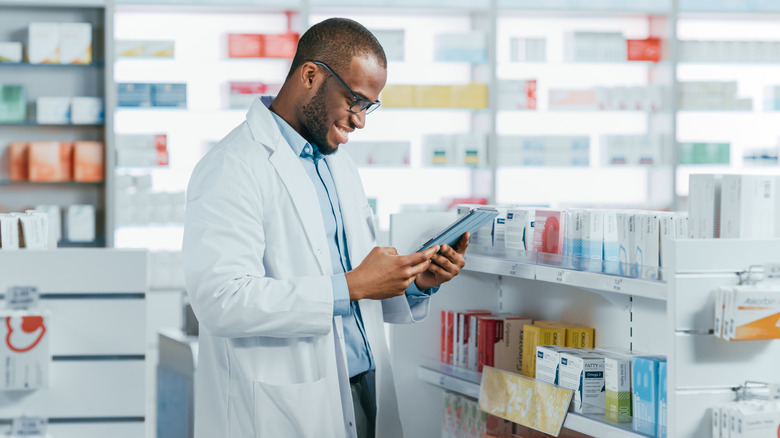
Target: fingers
(463,243)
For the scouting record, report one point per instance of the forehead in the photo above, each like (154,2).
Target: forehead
(366,76)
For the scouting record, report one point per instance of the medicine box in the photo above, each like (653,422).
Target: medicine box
(281,45)
(755,313)
(9,232)
(134,95)
(704,202)
(535,335)
(10,51)
(50,161)
(548,358)
(398,96)
(617,383)
(159,48)
(80,223)
(245,45)
(548,231)
(13,103)
(519,229)
(43,43)
(460,47)
(509,352)
(748,207)
(86,110)
(662,401)
(75,43)
(576,336)
(393,42)
(169,95)
(52,110)
(88,161)
(33,230)
(645,379)
(583,372)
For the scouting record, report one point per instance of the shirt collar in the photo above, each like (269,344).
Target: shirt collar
(299,145)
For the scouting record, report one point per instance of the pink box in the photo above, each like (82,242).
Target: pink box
(548,231)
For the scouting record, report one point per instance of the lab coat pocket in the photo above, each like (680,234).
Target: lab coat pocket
(295,410)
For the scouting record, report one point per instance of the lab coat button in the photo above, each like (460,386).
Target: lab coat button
(350,424)
(319,251)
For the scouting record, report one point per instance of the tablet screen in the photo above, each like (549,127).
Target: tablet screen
(472,222)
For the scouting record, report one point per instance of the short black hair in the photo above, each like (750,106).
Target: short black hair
(335,42)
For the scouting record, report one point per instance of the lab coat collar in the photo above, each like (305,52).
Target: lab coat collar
(290,170)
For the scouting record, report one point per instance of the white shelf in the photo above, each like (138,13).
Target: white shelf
(463,382)
(527,267)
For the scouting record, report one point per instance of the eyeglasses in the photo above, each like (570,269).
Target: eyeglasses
(358,103)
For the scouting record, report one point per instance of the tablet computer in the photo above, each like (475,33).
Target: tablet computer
(476,219)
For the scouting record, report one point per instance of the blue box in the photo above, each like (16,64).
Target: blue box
(169,95)
(134,95)
(662,400)
(645,378)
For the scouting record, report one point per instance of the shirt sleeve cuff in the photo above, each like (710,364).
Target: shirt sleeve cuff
(341,303)
(415,296)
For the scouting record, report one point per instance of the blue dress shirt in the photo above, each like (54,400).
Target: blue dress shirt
(359,357)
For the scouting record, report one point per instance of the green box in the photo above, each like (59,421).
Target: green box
(13,104)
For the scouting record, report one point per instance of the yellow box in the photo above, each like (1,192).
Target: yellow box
(433,96)
(535,335)
(473,96)
(398,96)
(577,336)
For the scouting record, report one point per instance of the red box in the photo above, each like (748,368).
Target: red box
(447,320)
(644,50)
(19,161)
(245,45)
(486,341)
(88,162)
(51,161)
(282,45)
(464,336)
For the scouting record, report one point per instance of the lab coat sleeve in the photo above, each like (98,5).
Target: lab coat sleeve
(223,248)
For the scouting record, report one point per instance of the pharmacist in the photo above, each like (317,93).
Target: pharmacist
(280,262)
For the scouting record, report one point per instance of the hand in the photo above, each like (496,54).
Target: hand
(385,274)
(447,263)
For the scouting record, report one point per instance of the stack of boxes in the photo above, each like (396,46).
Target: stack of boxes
(56,161)
(262,45)
(468,96)
(151,95)
(734,206)
(45,227)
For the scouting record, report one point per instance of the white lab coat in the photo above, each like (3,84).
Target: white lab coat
(272,360)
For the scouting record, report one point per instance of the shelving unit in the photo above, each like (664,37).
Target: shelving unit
(672,316)
(63,80)
(96,304)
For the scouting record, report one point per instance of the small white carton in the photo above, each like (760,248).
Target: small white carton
(43,43)
(583,372)
(75,43)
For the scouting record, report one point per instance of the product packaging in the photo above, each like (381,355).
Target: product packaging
(80,223)
(52,110)
(548,231)
(509,351)
(50,161)
(169,95)
(19,158)
(548,358)
(9,232)
(88,161)
(134,95)
(87,110)
(10,51)
(583,372)
(535,335)
(13,103)
(520,229)
(43,43)
(645,393)
(75,43)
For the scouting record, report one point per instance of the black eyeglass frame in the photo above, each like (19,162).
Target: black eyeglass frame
(359,102)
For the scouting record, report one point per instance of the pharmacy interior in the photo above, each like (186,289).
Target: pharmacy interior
(628,287)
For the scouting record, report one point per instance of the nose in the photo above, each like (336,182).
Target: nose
(359,119)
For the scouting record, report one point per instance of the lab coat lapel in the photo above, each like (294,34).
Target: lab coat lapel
(295,179)
(351,201)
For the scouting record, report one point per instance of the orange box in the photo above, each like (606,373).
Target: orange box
(245,45)
(282,45)
(88,163)
(51,161)
(19,159)
(644,50)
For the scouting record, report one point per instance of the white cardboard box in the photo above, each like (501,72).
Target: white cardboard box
(80,223)
(75,43)
(43,43)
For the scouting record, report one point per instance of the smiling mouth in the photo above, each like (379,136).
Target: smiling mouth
(344,133)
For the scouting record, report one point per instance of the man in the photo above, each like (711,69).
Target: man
(281,265)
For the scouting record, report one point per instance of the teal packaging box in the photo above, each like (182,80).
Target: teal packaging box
(662,400)
(645,377)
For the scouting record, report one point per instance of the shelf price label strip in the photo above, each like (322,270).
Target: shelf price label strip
(525,401)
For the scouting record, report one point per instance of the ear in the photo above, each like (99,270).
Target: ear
(308,75)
